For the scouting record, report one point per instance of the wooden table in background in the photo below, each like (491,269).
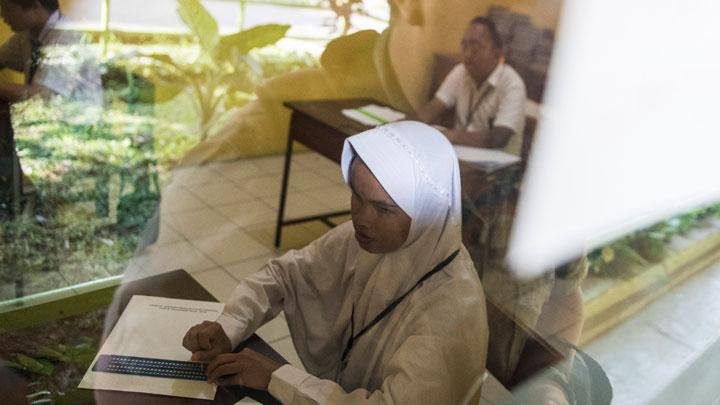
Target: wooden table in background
(321,126)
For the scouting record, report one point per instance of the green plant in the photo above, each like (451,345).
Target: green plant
(616,259)
(630,254)
(223,69)
(94,194)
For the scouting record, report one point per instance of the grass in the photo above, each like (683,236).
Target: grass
(98,175)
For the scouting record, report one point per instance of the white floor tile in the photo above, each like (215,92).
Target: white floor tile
(270,164)
(218,282)
(293,236)
(133,272)
(262,186)
(175,198)
(313,160)
(227,248)
(238,170)
(299,204)
(167,234)
(180,255)
(245,268)
(308,180)
(199,223)
(221,193)
(248,213)
(194,175)
(333,174)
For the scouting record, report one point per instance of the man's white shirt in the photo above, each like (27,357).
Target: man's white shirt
(499,101)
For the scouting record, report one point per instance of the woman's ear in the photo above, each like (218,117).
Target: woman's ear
(411,11)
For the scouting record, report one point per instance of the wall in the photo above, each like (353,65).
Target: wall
(543,13)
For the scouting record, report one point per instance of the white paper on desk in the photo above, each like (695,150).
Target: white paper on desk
(154,327)
(373,115)
(487,158)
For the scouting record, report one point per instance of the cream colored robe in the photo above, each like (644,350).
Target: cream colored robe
(430,349)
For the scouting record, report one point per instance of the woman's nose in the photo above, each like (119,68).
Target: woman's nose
(365,215)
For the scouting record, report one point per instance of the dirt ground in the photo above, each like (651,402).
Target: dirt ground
(73,331)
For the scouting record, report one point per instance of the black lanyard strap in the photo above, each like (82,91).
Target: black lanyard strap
(392,306)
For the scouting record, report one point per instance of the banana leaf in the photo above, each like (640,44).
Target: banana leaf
(256,37)
(201,24)
(35,366)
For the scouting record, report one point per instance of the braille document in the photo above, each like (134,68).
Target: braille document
(487,159)
(144,351)
(373,115)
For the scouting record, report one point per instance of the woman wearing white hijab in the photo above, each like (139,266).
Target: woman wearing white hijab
(386,308)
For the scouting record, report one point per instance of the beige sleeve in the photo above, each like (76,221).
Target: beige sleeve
(283,284)
(255,301)
(426,369)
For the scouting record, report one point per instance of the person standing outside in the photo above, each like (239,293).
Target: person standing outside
(52,63)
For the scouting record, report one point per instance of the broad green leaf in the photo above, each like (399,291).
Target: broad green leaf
(255,37)
(200,23)
(35,366)
(83,353)
(14,365)
(54,354)
(161,57)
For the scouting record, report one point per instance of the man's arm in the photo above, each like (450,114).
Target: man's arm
(14,93)
(430,111)
(445,98)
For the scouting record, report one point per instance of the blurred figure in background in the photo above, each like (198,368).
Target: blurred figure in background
(52,62)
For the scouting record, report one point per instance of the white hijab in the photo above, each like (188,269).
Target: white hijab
(418,168)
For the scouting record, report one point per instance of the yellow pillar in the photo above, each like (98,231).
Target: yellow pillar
(7,75)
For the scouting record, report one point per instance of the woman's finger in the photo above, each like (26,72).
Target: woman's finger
(226,369)
(204,339)
(190,339)
(220,360)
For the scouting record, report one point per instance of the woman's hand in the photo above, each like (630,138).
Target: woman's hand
(206,341)
(248,368)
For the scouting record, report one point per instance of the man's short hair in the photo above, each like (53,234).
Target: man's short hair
(49,5)
(492,29)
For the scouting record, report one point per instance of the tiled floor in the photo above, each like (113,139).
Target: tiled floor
(218,223)
(646,353)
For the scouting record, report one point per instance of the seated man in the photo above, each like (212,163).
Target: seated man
(488,96)
(386,308)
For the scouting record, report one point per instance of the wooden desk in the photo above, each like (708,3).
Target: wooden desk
(179,284)
(321,126)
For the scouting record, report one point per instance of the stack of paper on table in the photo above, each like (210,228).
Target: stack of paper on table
(488,159)
(373,114)
(154,327)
